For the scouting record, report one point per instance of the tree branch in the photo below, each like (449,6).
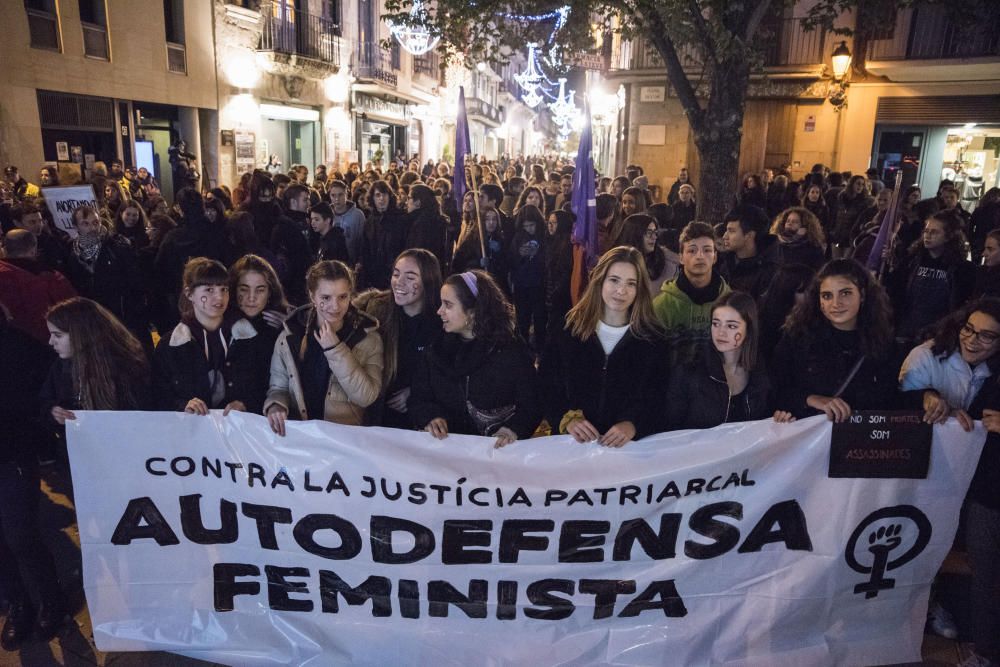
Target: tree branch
(753,22)
(657,34)
(701,29)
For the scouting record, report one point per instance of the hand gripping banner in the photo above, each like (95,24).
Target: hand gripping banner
(212,537)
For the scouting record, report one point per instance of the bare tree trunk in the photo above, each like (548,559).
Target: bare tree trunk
(718,138)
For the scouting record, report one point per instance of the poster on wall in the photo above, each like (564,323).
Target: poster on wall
(246,152)
(77,153)
(62,151)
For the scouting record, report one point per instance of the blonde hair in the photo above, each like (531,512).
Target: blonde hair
(582,319)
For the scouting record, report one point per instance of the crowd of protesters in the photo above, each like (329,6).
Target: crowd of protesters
(373,298)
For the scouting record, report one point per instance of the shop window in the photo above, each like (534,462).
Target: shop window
(43,24)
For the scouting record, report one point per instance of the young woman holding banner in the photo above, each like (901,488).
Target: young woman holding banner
(726,383)
(479,378)
(837,353)
(954,375)
(207,361)
(603,374)
(101,365)
(408,323)
(327,363)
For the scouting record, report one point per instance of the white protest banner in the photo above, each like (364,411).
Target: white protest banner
(62,200)
(212,537)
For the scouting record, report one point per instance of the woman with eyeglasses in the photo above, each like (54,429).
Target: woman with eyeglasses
(954,375)
(640,231)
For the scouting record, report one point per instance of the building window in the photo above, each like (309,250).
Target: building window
(94,21)
(43,24)
(331,16)
(173,21)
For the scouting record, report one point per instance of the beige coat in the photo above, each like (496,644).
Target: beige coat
(355,372)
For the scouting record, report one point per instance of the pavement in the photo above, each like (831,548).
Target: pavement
(74,646)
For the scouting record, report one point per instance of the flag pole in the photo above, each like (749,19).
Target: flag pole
(479,219)
(894,211)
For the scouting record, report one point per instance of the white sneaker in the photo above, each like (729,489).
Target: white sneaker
(941,622)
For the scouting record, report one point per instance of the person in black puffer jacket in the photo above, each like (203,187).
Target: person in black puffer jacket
(207,361)
(837,353)
(477,379)
(604,374)
(726,383)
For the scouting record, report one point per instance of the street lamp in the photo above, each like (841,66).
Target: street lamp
(841,63)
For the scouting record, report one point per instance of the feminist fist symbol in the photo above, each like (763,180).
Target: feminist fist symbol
(882,541)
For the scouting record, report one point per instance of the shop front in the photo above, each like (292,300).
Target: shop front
(381,127)
(289,135)
(932,139)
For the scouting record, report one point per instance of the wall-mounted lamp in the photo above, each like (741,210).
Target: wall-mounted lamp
(841,64)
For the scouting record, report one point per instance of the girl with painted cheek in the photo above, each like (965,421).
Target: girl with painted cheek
(726,383)
(408,324)
(206,362)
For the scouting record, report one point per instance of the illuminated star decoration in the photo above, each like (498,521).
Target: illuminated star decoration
(417,41)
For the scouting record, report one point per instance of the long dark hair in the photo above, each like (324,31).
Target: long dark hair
(744,304)
(874,317)
(255,263)
(492,313)
(390,318)
(947,331)
(384,188)
(633,233)
(428,200)
(109,367)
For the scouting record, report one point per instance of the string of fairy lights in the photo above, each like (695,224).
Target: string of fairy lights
(536,86)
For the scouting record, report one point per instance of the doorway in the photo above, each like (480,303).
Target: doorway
(899,150)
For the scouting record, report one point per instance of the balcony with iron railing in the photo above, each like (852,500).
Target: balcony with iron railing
(484,111)
(295,32)
(787,45)
(934,32)
(374,62)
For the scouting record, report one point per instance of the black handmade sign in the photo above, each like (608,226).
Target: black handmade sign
(881,445)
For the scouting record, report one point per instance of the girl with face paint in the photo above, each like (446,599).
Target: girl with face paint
(408,324)
(726,383)
(207,361)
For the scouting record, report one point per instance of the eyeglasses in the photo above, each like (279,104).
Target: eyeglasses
(986,337)
(650,234)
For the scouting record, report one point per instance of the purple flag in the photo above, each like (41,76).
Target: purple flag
(887,230)
(462,149)
(583,202)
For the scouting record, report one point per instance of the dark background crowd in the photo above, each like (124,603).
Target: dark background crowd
(374,298)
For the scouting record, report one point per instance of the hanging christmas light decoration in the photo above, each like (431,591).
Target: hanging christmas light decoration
(530,80)
(563,109)
(416,40)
